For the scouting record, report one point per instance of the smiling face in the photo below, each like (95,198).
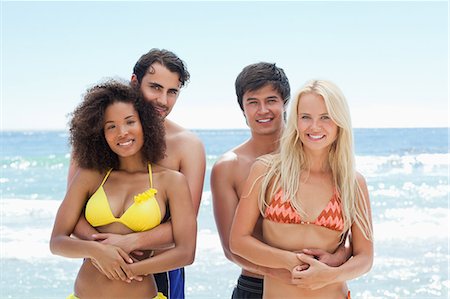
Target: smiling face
(263,109)
(160,86)
(123,130)
(316,128)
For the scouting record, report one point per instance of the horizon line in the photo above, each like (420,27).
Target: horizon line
(219,129)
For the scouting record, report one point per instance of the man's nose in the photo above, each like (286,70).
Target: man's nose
(162,99)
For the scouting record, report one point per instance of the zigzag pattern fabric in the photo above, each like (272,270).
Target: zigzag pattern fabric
(282,212)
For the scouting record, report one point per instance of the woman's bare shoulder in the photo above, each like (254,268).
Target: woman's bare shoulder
(88,176)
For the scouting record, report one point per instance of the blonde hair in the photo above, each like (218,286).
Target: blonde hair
(284,168)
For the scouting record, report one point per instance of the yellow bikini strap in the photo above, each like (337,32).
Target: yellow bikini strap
(150,174)
(106,176)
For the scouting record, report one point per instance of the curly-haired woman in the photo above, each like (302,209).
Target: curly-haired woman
(117,138)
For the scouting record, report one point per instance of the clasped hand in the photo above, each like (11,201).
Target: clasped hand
(313,272)
(114,259)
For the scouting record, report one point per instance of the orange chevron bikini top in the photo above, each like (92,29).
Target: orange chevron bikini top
(282,212)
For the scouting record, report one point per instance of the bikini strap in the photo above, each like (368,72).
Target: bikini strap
(150,175)
(106,176)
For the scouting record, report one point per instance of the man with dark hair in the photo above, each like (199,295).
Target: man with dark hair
(160,74)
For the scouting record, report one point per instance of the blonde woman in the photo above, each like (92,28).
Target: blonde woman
(310,196)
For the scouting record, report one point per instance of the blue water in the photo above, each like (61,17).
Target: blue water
(407,175)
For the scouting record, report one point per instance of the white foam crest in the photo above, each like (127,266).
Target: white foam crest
(26,243)
(209,254)
(370,164)
(412,224)
(52,161)
(212,157)
(20,210)
(396,164)
(434,159)
(410,191)
(26,227)
(21,164)
(206,199)
(208,240)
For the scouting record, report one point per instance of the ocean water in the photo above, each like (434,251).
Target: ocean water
(406,171)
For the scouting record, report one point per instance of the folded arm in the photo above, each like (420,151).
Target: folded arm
(111,259)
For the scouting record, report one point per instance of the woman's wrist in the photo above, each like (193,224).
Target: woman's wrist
(94,249)
(141,268)
(292,261)
(333,273)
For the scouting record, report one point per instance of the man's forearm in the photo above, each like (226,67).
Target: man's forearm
(345,250)
(83,230)
(280,274)
(245,264)
(160,237)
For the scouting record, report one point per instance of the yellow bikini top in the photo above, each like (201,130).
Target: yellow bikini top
(142,215)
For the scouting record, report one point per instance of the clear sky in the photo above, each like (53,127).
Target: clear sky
(389,58)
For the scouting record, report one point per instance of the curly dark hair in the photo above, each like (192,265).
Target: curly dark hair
(89,147)
(167,59)
(258,75)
